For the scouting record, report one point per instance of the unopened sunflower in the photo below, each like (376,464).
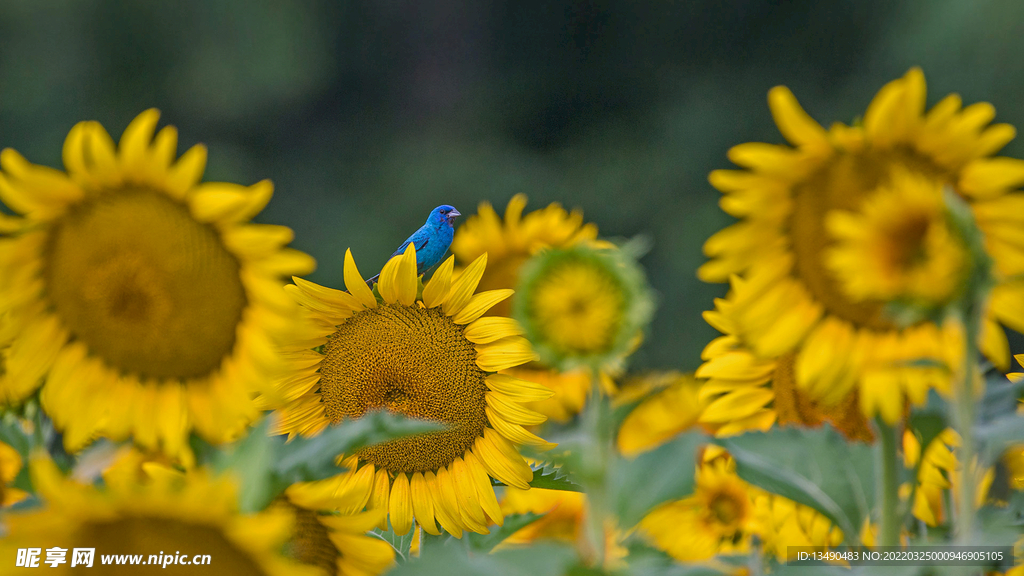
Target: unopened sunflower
(509,242)
(795,253)
(142,299)
(169,517)
(583,306)
(746,392)
(426,354)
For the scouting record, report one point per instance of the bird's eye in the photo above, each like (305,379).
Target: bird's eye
(444,211)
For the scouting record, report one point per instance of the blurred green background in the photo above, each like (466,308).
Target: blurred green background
(367,114)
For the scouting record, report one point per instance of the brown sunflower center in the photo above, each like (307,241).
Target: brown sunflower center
(905,241)
(726,509)
(414,361)
(843,183)
(185,543)
(792,406)
(311,543)
(144,285)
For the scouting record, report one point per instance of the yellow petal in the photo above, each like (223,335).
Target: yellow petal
(400,505)
(515,432)
(135,140)
(463,288)
(355,284)
(512,411)
(436,290)
(381,496)
(423,504)
(488,329)
(481,303)
(506,353)
(794,124)
(406,277)
(517,389)
(484,489)
(447,517)
(466,491)
(388,282)
(453,499)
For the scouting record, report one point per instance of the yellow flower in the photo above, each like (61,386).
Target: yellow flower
(10,466)
(336,543)
(168,514)
(939,471)
(428,355)
(143,300)
(745,392)
(898,245)
(782,523)
(792,301)
(716,519)
(564,517)
(510,242)
(583,306)
(673,407)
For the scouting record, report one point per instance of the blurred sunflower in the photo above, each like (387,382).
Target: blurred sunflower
(143,299)
(10,466)
(563,519)
(794,301)
(336,543)
(192,513)
(781,523)
(746,392)
(671,404)
(939,471)
(717,519)
(509,243)
(583,307)
(426,355)
(1014,456)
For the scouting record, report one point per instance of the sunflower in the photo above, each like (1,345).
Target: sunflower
(899,245)
(143,299)
(672,404)
(939,471)
(717,519)
(336,542)
(583,306)
(793,253)
(10,466)
(509,243)
(746,392)
(169,513)
(563,519)
(782,523)
(428,355)
(569,390)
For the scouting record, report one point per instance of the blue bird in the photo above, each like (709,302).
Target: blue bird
(431,240)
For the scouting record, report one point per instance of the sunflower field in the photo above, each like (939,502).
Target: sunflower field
(649,328)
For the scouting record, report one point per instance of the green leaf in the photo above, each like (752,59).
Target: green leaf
(512,524)
(1000,398)
(928,422)
(553,478)
(647,561)
(402,544)
(267,465)
(304,459)
(998,435)
(444,559)
(661,475)
(818,468)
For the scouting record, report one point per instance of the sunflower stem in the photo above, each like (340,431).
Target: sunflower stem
(597,469)
(889,482)
(964,409)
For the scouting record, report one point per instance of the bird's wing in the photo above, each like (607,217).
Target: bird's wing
(420,245)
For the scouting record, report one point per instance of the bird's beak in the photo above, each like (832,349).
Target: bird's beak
(453,214)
